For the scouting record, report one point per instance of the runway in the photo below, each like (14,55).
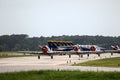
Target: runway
(57,63)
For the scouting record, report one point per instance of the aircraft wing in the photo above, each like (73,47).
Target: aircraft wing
(80,53)
(104,51)
(71,52)
(30,52)
(112,51)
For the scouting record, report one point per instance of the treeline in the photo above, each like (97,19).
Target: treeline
(24,42)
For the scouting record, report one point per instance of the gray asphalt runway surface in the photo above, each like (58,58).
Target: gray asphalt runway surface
(57,63)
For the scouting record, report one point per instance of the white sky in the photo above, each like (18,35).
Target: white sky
(60,17)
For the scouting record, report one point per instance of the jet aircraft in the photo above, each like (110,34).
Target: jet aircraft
(56,47)
(91,48)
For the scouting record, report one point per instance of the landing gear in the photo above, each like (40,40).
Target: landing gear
(51,56)
(111,54)
(69,55)
(99,54)
(38,56)
(81,55)
(88,55)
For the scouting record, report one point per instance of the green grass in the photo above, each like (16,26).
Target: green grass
(107,62)
(60,75)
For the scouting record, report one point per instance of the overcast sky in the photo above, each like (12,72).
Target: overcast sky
(60,17)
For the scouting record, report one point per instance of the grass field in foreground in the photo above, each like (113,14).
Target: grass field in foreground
(107,62)
(60,75)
